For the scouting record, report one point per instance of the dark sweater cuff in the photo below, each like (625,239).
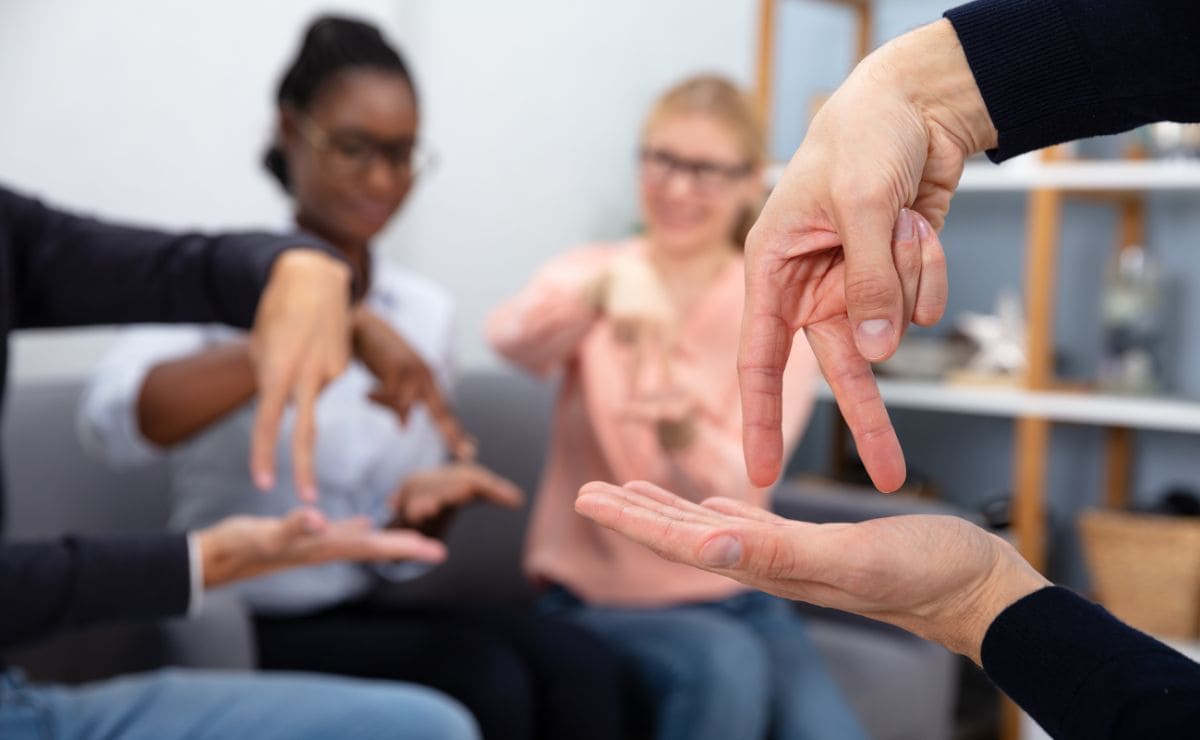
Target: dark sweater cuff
(1073,666)
(144,576)
(1031,70)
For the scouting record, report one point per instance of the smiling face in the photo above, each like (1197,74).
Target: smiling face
(348,154)
(697,181)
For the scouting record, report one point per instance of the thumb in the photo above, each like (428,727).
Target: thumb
(302,522)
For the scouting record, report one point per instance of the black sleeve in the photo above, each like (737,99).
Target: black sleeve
(1081,673)
(79,581)
(1057,70)
(69,270)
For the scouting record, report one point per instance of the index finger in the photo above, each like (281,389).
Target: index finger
(857,395)
(272,398)
(461,445)
(495,488)
(304,436)
(766,342)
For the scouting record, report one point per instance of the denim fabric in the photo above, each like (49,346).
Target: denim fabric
(743,667)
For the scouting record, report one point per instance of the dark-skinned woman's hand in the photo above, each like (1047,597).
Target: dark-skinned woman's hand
(405,380)
(427,500)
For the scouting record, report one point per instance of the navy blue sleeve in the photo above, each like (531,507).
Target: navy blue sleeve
(46,587)
(1082,673)
(1057,70)
(68,270)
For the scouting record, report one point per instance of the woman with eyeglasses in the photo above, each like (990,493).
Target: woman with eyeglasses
(347,152)
(643,334)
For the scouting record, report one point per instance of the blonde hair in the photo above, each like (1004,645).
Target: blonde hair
(718,98)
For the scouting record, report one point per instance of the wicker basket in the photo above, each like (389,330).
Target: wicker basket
(1146,569)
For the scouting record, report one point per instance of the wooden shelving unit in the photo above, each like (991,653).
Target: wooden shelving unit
(1049,179)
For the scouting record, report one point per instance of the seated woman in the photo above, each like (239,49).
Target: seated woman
(347,153)
(643,333)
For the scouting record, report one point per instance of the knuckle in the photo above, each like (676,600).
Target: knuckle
(870,292)
(776,561)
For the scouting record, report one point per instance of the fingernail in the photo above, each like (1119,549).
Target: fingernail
(924,228)
(904,229)
(308,493)
(875,338)
(264,481)
(724,551)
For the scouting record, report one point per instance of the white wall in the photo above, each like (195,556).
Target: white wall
(158,112)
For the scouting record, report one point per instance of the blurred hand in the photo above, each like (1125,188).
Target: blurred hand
(300,341)
(634,300)
(832,250)
(939,577)
(405,379)
(243,547)
(425,499)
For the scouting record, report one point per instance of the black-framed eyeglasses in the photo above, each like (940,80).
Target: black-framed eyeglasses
(353,152)
(708,176)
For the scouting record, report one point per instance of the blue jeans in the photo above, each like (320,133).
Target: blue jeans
(742,667)
(197,705)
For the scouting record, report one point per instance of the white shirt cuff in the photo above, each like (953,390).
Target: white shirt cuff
(195,574)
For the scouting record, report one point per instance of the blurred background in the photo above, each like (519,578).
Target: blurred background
(160,114)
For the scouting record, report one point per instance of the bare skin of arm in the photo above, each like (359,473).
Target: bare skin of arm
(182,397)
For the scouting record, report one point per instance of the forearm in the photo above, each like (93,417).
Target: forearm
(71,270)
(182,397)
(78,581)
(540,333)
(544,324)
(1057,70)
(1081,673)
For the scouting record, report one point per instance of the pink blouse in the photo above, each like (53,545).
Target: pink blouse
(551,327)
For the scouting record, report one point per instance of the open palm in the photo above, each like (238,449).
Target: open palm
(940,577)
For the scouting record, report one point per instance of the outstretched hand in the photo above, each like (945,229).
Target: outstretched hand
(939,577)
(299,343)
(833,251)
(426,499)
(243,547)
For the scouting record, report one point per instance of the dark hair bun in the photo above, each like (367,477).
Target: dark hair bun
(331,45)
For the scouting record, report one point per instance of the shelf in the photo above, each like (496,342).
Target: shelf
(1027,173)
(1096,409)
(1024,173)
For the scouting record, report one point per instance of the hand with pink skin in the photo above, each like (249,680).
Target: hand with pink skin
(242,547)
(939,577)
(828,254)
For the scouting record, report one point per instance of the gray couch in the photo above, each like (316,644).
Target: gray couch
(903,687)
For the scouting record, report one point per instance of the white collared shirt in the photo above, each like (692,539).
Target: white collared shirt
(362,452)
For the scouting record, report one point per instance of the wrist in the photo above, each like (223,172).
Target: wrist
(219,562)
(305,264)
(1010,579)
(360,317)
(930,69)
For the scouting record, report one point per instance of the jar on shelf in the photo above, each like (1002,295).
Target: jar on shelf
(1132,318)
